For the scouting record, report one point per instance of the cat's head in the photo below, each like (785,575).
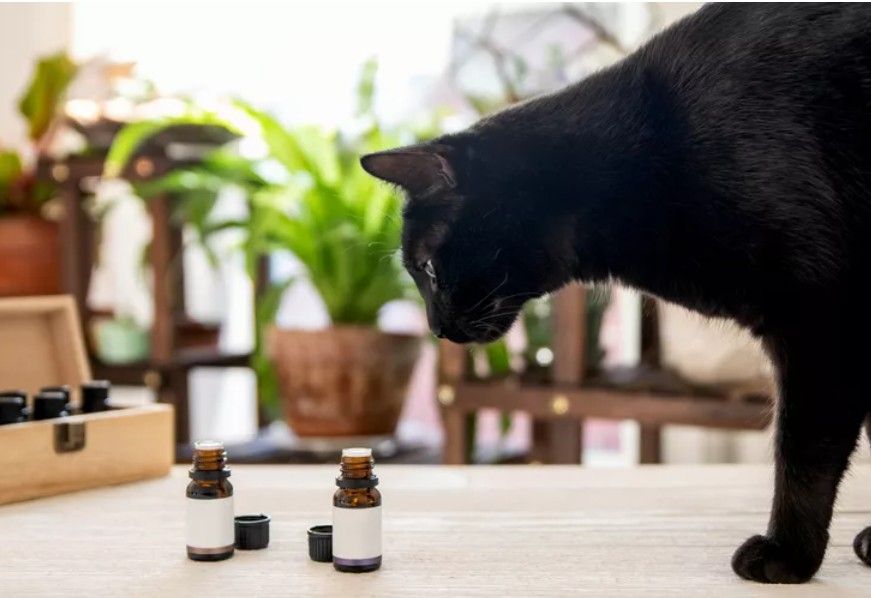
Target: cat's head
(477,239)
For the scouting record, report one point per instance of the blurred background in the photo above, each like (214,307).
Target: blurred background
(188,173)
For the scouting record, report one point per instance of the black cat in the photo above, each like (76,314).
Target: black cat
(724,166)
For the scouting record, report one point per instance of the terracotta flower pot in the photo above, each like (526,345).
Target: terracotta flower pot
(29,256)
(344,380)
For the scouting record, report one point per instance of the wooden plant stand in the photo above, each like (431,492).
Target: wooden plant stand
(177,344)
(558,410)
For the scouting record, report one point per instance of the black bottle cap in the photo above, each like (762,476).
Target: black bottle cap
(50,403)
(13,405)
(95,395)
(320,543)
(252,532)
(62,388)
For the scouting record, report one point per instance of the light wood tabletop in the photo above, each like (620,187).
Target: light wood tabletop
(459,531)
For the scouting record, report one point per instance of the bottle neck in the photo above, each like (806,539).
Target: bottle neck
(209,464)
(356,472)
(210,459)
(356,467)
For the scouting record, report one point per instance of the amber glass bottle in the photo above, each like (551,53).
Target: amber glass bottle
(210,525)
(357,514)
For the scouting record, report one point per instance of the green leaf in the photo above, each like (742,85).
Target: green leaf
(505,422)
(133,136)
(342,224)
(265,312)
(498,358)
(10,172)
(224,162)
(10,167)
(40,102)
(306,149)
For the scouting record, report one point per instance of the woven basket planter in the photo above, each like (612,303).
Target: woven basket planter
(344,380)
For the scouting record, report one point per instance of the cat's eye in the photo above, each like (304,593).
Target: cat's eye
(429,270)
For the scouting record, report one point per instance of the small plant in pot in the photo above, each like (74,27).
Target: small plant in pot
(349,379)
(29,242)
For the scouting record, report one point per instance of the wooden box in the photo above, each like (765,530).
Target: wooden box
(41,344)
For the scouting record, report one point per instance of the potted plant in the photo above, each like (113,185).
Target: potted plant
(349,379)
(29,245)
(316,202)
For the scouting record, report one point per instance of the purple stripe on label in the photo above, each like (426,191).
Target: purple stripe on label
(219,550)
(357,562)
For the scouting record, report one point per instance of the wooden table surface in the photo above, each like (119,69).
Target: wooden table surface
(459,531)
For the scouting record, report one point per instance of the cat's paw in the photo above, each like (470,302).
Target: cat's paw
(862,545)
(762,559)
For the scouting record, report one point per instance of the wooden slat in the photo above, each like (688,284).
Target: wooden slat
(452,362)
(653,531)
(649,444)
(76,246)
(610,404)
(456,450)
(163,328)
(451,370)
(561,441)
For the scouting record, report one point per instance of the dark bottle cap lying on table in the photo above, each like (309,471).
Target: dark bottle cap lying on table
(252,531)
(320,543)
(50,403)
(13,406)
(95,396)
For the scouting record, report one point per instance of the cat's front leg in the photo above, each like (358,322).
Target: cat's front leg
(862,542)
(819,418)
(862,546)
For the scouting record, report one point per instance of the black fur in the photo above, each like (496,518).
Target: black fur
(724,166)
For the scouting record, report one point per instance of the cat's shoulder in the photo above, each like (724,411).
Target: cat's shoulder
(726,32)
(753,51)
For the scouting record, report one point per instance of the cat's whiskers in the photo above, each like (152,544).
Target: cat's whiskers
(494,310)
(493,318)
(487,329)
(524,296)
(488,295)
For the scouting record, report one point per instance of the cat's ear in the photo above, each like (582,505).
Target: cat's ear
(419,169)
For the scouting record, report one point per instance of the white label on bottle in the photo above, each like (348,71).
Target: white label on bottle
(210,522)
(356,533)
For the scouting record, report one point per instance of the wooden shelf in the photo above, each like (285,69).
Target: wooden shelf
(559,402)
(649,395)
(136,373)
(177,343)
